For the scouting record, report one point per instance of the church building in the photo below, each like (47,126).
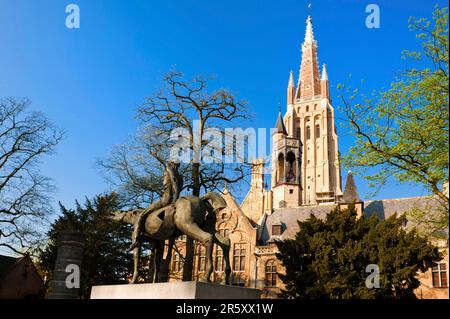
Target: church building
(305,179)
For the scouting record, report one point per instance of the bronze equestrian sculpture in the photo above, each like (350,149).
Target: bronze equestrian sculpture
(190,215)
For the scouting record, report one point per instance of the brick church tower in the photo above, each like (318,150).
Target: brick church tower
(305,158)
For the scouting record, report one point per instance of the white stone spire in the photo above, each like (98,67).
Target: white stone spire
(291,79)
(324,72)
(309,35)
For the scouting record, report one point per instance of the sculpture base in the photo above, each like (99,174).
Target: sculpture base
(174,290)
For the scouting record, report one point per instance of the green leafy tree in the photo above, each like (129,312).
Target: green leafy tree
(328,258)
(404,130)
(105,259)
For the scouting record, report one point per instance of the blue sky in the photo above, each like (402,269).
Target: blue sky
(89,81)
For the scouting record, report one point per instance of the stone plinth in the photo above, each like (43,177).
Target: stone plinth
(174,290)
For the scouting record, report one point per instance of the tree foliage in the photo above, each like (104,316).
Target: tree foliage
(328,258)
(26,137)
(105,258)
(404,131)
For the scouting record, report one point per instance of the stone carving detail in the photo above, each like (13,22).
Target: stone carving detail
(266,250)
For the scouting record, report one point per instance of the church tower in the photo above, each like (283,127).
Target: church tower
(307,135)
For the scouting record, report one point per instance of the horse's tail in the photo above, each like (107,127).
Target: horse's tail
(216,200)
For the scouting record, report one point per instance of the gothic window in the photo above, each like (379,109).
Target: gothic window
(298,133)
(239,253)
(307,108)
(219,262)
(224,230)
(177,264)
(201,258)
(239,256)
(290,175)
(439,275)
(308,133)
(280,168)
(271,273)
(317,131)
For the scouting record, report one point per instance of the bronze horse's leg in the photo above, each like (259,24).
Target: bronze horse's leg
(159,252)
(224,243)
(136,259)
(191,229)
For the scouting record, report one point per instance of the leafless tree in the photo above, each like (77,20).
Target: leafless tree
(25,138)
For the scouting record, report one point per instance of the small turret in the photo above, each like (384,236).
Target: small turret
(351,199)
(291,90)
(279,127)
(324,84)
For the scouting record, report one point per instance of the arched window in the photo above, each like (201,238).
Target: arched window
(177,264)
(297,130)
(271,273)
(317,130)
(290,175)
(308,132)
(280,168)
(307,108)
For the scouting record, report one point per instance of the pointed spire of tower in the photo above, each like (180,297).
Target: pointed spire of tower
(291,89)
(309,34)
(324,85)
(291,79)
(350,192)
(324,72)
(309,79)
(279,127)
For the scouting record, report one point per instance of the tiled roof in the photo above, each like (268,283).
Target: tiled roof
(288,217)
(350,192)
(279,127)
(6,263)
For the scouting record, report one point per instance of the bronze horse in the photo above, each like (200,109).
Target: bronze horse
(189,215)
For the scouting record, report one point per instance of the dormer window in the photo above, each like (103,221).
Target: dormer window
(276,230)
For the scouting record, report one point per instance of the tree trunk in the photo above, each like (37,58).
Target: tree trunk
(189,257)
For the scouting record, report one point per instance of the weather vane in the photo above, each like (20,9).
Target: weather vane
(309,8)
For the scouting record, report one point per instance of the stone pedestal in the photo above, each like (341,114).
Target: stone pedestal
(174,290)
